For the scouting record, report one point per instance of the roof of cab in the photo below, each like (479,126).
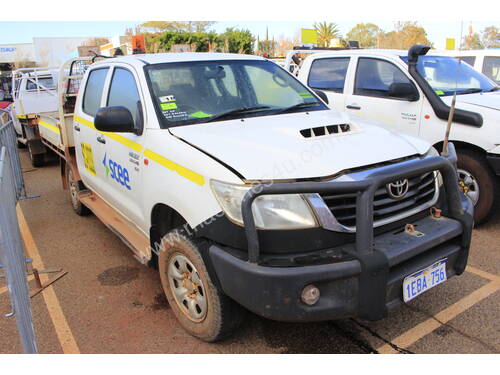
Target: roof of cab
(351,52)
(158,58)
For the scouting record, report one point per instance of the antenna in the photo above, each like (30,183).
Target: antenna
(454,100)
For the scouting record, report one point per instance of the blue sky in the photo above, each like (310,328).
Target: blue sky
(23,31)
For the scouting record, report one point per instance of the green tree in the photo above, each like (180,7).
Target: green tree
(472,41)
(189,26)
(236,41)
(326,32)
(405,35)
(365,33)
(198,26)
(490,37)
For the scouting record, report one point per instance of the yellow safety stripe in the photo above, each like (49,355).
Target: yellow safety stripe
(173,166)
(183,171)
(120,139)
(49,126)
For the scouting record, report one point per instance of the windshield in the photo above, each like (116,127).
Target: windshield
(196,92)
(447,74)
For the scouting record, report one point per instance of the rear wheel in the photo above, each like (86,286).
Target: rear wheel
(37,160)
(201,309)
(477,181)
(79,208)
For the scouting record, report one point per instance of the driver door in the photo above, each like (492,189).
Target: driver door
(370,96)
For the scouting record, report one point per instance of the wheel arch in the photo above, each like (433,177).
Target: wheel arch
(163,219)
(461,145)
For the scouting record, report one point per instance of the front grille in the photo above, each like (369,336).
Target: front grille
(420,195)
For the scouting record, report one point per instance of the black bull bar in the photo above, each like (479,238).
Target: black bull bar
(374,263)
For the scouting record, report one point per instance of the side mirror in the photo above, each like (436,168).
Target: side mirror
(403,91)
(322,95)
(115,119)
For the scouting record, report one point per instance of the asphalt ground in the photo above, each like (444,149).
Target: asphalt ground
(109,303)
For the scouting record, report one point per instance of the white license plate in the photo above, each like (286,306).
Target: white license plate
(423,280)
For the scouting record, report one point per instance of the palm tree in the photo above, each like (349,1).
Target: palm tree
(326,32)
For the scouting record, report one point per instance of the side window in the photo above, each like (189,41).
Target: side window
(47,83)
(468,59)
(491,68)
(329,74)
(123,91)
(93,91)
(374,77)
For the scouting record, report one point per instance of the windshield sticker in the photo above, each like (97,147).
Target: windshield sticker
(200,114)
(167,102)
(305,95)
(167,98)
(175,114)
(439,92)
(168,106)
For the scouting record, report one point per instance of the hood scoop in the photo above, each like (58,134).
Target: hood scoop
(321,131)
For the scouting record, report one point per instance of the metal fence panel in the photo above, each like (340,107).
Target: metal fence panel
(8,138)
(12,255)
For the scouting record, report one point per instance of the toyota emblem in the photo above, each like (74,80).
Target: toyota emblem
(397,189)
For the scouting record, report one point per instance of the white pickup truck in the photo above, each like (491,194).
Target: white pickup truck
(248,192)
(34,96)
(411,92)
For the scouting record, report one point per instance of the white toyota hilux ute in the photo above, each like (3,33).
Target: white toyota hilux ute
(248,192)
(411,91)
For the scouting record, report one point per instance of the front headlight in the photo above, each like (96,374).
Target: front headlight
(288,211)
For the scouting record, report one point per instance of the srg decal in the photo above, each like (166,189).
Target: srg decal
(116,172)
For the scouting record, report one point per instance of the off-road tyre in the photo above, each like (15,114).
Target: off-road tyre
(223,315)
(476,164)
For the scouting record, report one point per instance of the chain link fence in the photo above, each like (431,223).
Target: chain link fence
(12,255)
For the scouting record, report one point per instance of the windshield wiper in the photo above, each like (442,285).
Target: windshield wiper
(298,106)
(237,111)
(494,89)
(469,91)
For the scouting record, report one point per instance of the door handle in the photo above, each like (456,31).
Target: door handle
(350,106)
(77,128)
(101,139)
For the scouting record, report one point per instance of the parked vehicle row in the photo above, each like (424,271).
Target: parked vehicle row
(414,98)
(249,193)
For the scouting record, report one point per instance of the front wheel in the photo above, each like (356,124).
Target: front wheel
(477,181)
(201,309)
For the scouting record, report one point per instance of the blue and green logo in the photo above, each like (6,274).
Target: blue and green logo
(116,172)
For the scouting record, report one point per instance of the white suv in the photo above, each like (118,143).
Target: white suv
(414,98)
